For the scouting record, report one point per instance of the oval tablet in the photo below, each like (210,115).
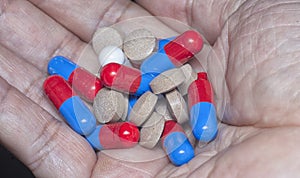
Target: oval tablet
(190,76)
(178,106)
(167,81)
(143,108)
(152,130)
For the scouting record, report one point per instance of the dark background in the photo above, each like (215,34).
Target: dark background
(11,167)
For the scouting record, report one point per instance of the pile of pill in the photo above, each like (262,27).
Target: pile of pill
(145,93)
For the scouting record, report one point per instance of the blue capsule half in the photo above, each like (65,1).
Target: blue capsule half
(94,140)
(178,148)
(203,121)
(157,63)
(61,66)
(78,116)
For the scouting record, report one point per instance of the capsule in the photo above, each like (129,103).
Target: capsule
(176,144)
(173,53)
(84,83)
(72,108)
(203,119)
(125,79)
(162,42)
(114,136)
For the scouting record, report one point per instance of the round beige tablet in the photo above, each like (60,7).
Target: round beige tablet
(108,105)
(190,76)
(177,106)
(152,130)
(143,108)
(138,45)
(167,81)
(106,36)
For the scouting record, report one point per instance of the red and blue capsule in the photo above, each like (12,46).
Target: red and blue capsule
(72,108)
(176,144)
(203,119)
(114,136)
(84,83)
(173,52)
(162,42)
(125,79)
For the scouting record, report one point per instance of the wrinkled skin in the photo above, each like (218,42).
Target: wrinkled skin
(255,44)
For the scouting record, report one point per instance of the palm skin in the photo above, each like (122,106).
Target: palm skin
(253,68)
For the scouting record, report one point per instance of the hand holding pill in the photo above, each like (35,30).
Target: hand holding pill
(249,54)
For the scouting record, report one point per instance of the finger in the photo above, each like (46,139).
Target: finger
(206,16)
(83,18)
(44,144)
(26,78)
(33,36)
(136,162)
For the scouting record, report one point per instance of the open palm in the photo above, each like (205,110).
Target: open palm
(253,67)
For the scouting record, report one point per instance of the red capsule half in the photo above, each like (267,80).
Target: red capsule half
(121,77)
(57,90)
(114,136)
(200,90)
(85,83)
(182,48)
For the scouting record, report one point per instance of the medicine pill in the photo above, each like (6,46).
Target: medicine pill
(174,54)
(161,108)
(143,108)
(151,130)
(176,144)
(203,117)
(162,42)
(190,76)
(109,105)
(125,79)
(125,106)
(84,83)
(114,136)
(138,45)
(111,54)
(72,108)
(106,36)
(167,81)
(178,106)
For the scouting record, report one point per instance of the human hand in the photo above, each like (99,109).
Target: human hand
(254,53)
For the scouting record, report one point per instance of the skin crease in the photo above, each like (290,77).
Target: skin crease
(255,46)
